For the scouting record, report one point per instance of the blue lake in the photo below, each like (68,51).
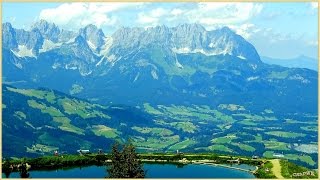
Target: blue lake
(153,171)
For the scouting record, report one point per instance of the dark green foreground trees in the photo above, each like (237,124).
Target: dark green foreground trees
(125,163)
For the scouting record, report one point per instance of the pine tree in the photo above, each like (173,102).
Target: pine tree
(125,163)
(132,165)
(116,168)
(6,168)
(24,171)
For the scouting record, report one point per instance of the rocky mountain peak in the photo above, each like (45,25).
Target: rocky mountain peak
(9,36)
(182,39)
(48,30)
(190,28)
(93,36)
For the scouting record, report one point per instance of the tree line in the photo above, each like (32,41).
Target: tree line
(125,163)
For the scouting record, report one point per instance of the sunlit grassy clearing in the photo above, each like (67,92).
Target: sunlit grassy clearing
(219,147)
(182,145)
(101,130)
(83,109)
(20,115)
(285,134)
(157,143)
(57,116)
(40,94)
(153,131)
(188,127)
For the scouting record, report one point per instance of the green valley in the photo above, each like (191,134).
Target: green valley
(55,121)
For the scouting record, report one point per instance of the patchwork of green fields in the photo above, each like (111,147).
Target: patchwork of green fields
(187,127)
(303,158)
(223,140)
(174,122)
(57,116)
(226,128)
(83,109)
(254,138)
(276,145)
(48,95)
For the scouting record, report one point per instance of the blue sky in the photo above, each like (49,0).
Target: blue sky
(278,30)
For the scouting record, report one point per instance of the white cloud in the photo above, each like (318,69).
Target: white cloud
(314,5)
(146,19)
(224,13)
(176,12)
(313,43)
(245,30)
(151,18)
(208,14)
(76,15)
(158,12)
(274,43)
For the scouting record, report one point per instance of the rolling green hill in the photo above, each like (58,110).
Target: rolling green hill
(40,121)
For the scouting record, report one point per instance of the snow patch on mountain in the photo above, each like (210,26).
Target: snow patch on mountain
(84,73)
(18,65)
(241,57)
(181,50)
(111,58)
(253,66)
(72,40)
(187,50)
(252,78)
(106,47)
(48,45)
(23,51)
(178,64)
(137,76)
(56,65)
(154,74)
(99,63)
(91,45)
(298,77)
(70,66)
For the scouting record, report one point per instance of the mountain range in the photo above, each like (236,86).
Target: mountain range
(167,88)
(298,62)
(185,65)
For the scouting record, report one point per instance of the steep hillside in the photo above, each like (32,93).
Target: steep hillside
(39,121)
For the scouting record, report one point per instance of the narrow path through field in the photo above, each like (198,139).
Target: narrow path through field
(276,169)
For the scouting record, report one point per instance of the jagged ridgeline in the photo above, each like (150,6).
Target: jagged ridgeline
(179,65)
(182,88)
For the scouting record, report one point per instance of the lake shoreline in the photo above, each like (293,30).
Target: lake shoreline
(152,171)
(262,165)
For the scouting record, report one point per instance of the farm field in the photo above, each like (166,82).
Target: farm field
(162,128)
